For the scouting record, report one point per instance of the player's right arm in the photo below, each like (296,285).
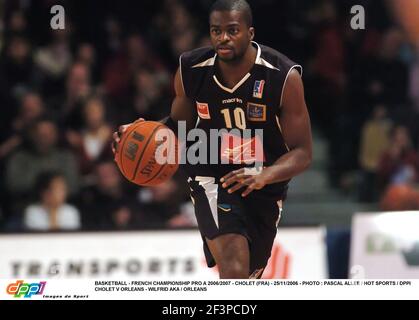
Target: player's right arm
(182,110)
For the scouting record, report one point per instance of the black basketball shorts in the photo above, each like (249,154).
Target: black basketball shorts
(256,217)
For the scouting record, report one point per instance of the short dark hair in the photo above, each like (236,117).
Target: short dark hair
(44,179)
(237,5)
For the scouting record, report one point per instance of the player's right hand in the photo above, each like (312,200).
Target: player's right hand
(118,134)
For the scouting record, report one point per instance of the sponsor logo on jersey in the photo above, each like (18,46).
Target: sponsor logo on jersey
(233,100)
(241,149)
(256,112)
(203,110)
(258,89)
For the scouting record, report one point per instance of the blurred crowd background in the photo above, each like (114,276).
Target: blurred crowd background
(63,93)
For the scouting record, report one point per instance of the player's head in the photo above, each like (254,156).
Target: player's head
(231,28)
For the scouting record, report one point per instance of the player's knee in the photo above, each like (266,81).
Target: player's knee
(233,269)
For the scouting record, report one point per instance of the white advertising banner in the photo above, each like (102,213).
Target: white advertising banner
(297,253)
(385,245)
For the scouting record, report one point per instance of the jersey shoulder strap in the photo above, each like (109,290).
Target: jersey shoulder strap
(275,60)
(278,67)
(194,66)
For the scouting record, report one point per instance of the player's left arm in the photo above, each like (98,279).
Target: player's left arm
(296,130)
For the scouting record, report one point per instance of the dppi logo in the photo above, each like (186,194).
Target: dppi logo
(27,290)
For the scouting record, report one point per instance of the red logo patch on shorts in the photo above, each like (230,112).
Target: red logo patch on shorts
(203,110)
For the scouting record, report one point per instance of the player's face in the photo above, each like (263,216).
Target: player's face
(230,35)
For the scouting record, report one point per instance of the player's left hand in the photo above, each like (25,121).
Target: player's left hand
(241,178)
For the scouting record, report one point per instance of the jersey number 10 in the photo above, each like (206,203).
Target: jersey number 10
(239,118)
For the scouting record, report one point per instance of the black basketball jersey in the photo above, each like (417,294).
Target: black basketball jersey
(253,103)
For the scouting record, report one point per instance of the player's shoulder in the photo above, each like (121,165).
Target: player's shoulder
(273,59)
(198,56)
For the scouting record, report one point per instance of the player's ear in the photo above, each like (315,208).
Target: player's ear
(251,33)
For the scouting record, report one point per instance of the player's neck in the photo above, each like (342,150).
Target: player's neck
(233,71)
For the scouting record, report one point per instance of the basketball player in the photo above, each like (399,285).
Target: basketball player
(240,84)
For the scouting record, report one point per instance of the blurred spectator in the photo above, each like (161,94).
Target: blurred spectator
(399,164)
(108,205)
(17,73)
(414,98)
(182,30)
(17,25)
(78,88)
(374,141)
(407,15)
(184,42)
(31,109)
(86,55)
(186,217)
(149,97)
(51,212)
(121,69)
(53,61)
(326,84)
(328,62)
(113,40)
(173,30)
(41,154)
(400,198)
(93,141)
(385,75)
(163,205)
(414,82)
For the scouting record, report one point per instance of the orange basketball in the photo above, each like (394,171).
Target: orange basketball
(147,153)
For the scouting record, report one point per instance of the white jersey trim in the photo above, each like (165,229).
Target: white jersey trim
(285,81)
(235,87)
(263,62)
(206,63)
(211,191)
(180,73)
